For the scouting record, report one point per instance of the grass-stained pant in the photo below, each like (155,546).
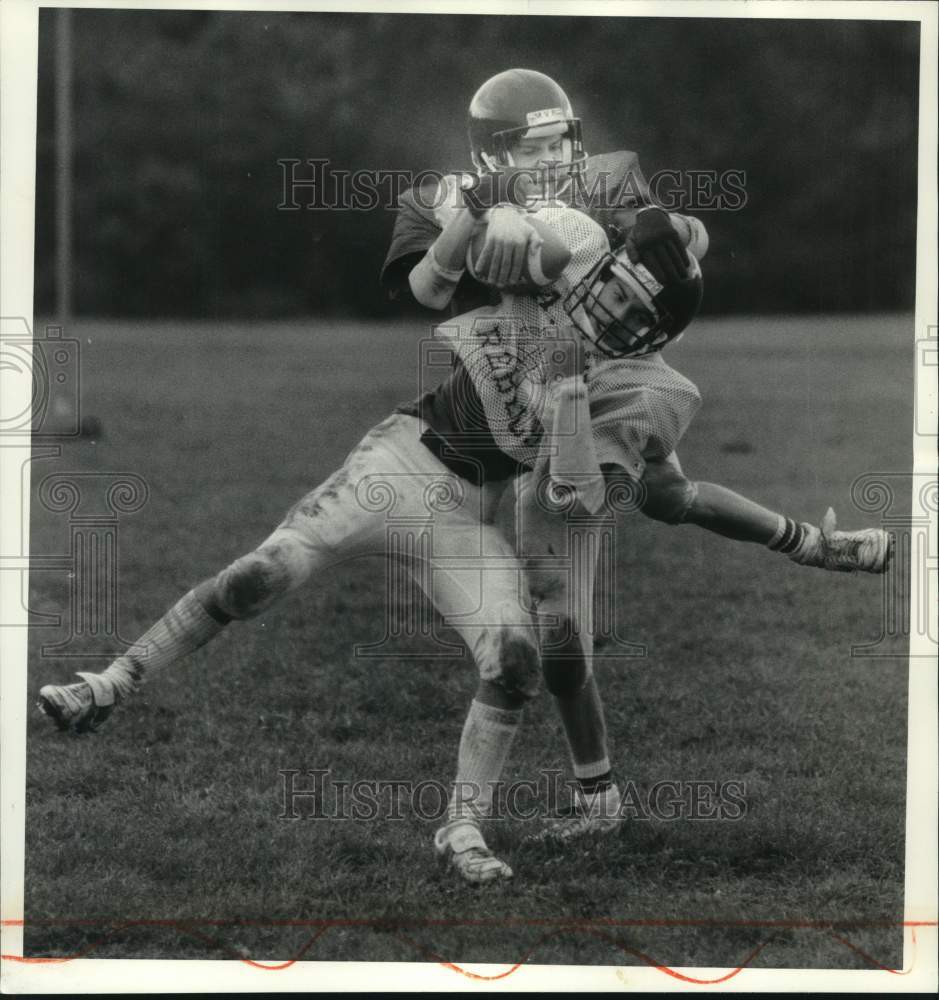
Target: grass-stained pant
(393,497)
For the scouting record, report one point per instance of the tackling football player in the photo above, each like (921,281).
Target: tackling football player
(417,456)
(521,123)
(521,120)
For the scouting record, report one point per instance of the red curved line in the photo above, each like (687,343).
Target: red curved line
(658,966)
(194,932)
(69,958)
(292,961)
(453,967)
(561,931)
(873,961)
(667,970)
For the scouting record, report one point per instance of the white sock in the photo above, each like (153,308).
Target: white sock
(181,631)
(484,746)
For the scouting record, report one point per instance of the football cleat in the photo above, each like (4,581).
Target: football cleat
(461,844)
(866,550)
(588,814)
(82,706)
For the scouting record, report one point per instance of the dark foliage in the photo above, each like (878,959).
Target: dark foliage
(181,118)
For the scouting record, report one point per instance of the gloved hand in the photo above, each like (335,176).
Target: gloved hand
(653,241)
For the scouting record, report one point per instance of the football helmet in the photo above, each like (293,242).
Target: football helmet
(624,311)
(523,104)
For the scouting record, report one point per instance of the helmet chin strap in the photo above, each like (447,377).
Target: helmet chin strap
(487,163)
(491,165)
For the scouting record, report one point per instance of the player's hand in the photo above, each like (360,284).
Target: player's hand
(504,254)
(658,246)
(514,187)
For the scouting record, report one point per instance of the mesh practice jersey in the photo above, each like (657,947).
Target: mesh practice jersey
(496,413)
(494,407)
(640,409)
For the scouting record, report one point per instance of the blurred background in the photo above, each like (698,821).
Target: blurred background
(179,119)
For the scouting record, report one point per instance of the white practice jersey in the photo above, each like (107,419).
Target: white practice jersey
(633,408)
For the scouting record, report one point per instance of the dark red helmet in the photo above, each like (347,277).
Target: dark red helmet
(522,104)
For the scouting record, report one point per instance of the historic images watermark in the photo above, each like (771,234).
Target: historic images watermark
(42,383)
(42,415)
(906,504)
(315,794)
(315,185)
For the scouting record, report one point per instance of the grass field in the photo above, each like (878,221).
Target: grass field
(170,812)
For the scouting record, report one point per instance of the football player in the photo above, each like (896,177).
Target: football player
(433,449)
(521,120)
(423,464)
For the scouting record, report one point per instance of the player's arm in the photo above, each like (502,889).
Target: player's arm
(434,278)
(690,230)
(511,243)
(417,225)
(667,495)
(660,238)
(520,250)
(494,196)
(670,497)
(640,412)
(433,226)
(692,233)
(514,247)
(548,244)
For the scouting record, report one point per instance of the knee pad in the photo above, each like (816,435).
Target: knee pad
(518,665)
(253,582)
(668,494)
(564,661)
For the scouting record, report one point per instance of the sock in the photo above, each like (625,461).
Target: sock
(593,778)
(585,728)
(484,746)
(182,630)
(788,537)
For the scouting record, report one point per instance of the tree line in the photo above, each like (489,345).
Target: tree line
(794,141)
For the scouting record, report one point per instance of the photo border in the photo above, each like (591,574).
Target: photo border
(18,77)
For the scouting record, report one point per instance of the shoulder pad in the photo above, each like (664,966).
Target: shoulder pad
(610,182)
(417,225)
(421,198)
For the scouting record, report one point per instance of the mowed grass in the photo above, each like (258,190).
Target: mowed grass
(170,812)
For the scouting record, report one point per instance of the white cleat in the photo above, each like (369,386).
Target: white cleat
(82,706)
(461,843)
(597,813)
(867,550)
